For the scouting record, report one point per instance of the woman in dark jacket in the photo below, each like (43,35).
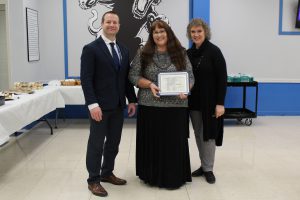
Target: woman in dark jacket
(206,102)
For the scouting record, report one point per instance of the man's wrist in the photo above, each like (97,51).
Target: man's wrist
(92,106)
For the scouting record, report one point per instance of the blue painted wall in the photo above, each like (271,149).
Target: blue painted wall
(200,9)
(279,99)
(273,98)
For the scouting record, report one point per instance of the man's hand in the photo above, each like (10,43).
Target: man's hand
(131,109)
(96,114)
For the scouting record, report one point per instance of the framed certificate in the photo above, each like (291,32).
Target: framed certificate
(32,25)
(173,83)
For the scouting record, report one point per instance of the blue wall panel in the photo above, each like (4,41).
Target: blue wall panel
(273,98)
(279,99)
(201,9)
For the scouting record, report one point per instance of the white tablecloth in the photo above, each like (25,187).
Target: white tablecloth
(18,113)
(73,95)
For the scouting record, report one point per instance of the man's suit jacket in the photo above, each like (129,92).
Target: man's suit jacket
(101,82)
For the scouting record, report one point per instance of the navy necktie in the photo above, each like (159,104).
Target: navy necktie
(115,56)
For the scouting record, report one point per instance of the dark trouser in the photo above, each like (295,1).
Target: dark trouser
(104,141)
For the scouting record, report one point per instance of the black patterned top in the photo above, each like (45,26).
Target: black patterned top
(161,63)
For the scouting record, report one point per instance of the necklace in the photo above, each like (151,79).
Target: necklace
(163,62)
(198,64)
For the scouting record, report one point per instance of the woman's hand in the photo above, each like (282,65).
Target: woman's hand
(182,96)
(219,111)
(154,89)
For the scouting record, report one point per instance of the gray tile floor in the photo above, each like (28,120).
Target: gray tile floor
(258,162)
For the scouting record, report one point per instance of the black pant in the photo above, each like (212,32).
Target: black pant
(104,141)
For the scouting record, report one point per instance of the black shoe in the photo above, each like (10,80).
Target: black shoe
(198,172)
(210,177)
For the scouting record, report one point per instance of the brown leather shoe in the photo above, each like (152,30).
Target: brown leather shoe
(97,189)
(113,180)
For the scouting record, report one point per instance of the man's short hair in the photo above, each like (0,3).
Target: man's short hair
(109,12)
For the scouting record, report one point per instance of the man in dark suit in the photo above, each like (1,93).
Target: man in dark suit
(104,78)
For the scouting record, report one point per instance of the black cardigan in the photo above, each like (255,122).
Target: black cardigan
(209,68)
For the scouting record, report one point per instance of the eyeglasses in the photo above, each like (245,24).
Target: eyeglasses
(159,32)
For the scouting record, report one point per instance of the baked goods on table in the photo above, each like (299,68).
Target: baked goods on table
(26,87)
(70,82)
(78,82)
(21,88)
(7,95)
(35,85)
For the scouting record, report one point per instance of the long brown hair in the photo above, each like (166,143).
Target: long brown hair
(174,48)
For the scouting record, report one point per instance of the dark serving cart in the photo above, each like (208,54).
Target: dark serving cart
(243,113)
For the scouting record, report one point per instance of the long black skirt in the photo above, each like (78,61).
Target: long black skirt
(162,151)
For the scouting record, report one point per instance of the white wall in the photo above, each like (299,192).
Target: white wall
(50,66)
(21,69)
(4,73)
(247,33)
(51,39)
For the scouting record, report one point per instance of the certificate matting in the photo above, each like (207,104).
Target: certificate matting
(173,83)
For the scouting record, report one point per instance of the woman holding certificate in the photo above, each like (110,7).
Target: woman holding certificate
(162,152)
(206,102)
